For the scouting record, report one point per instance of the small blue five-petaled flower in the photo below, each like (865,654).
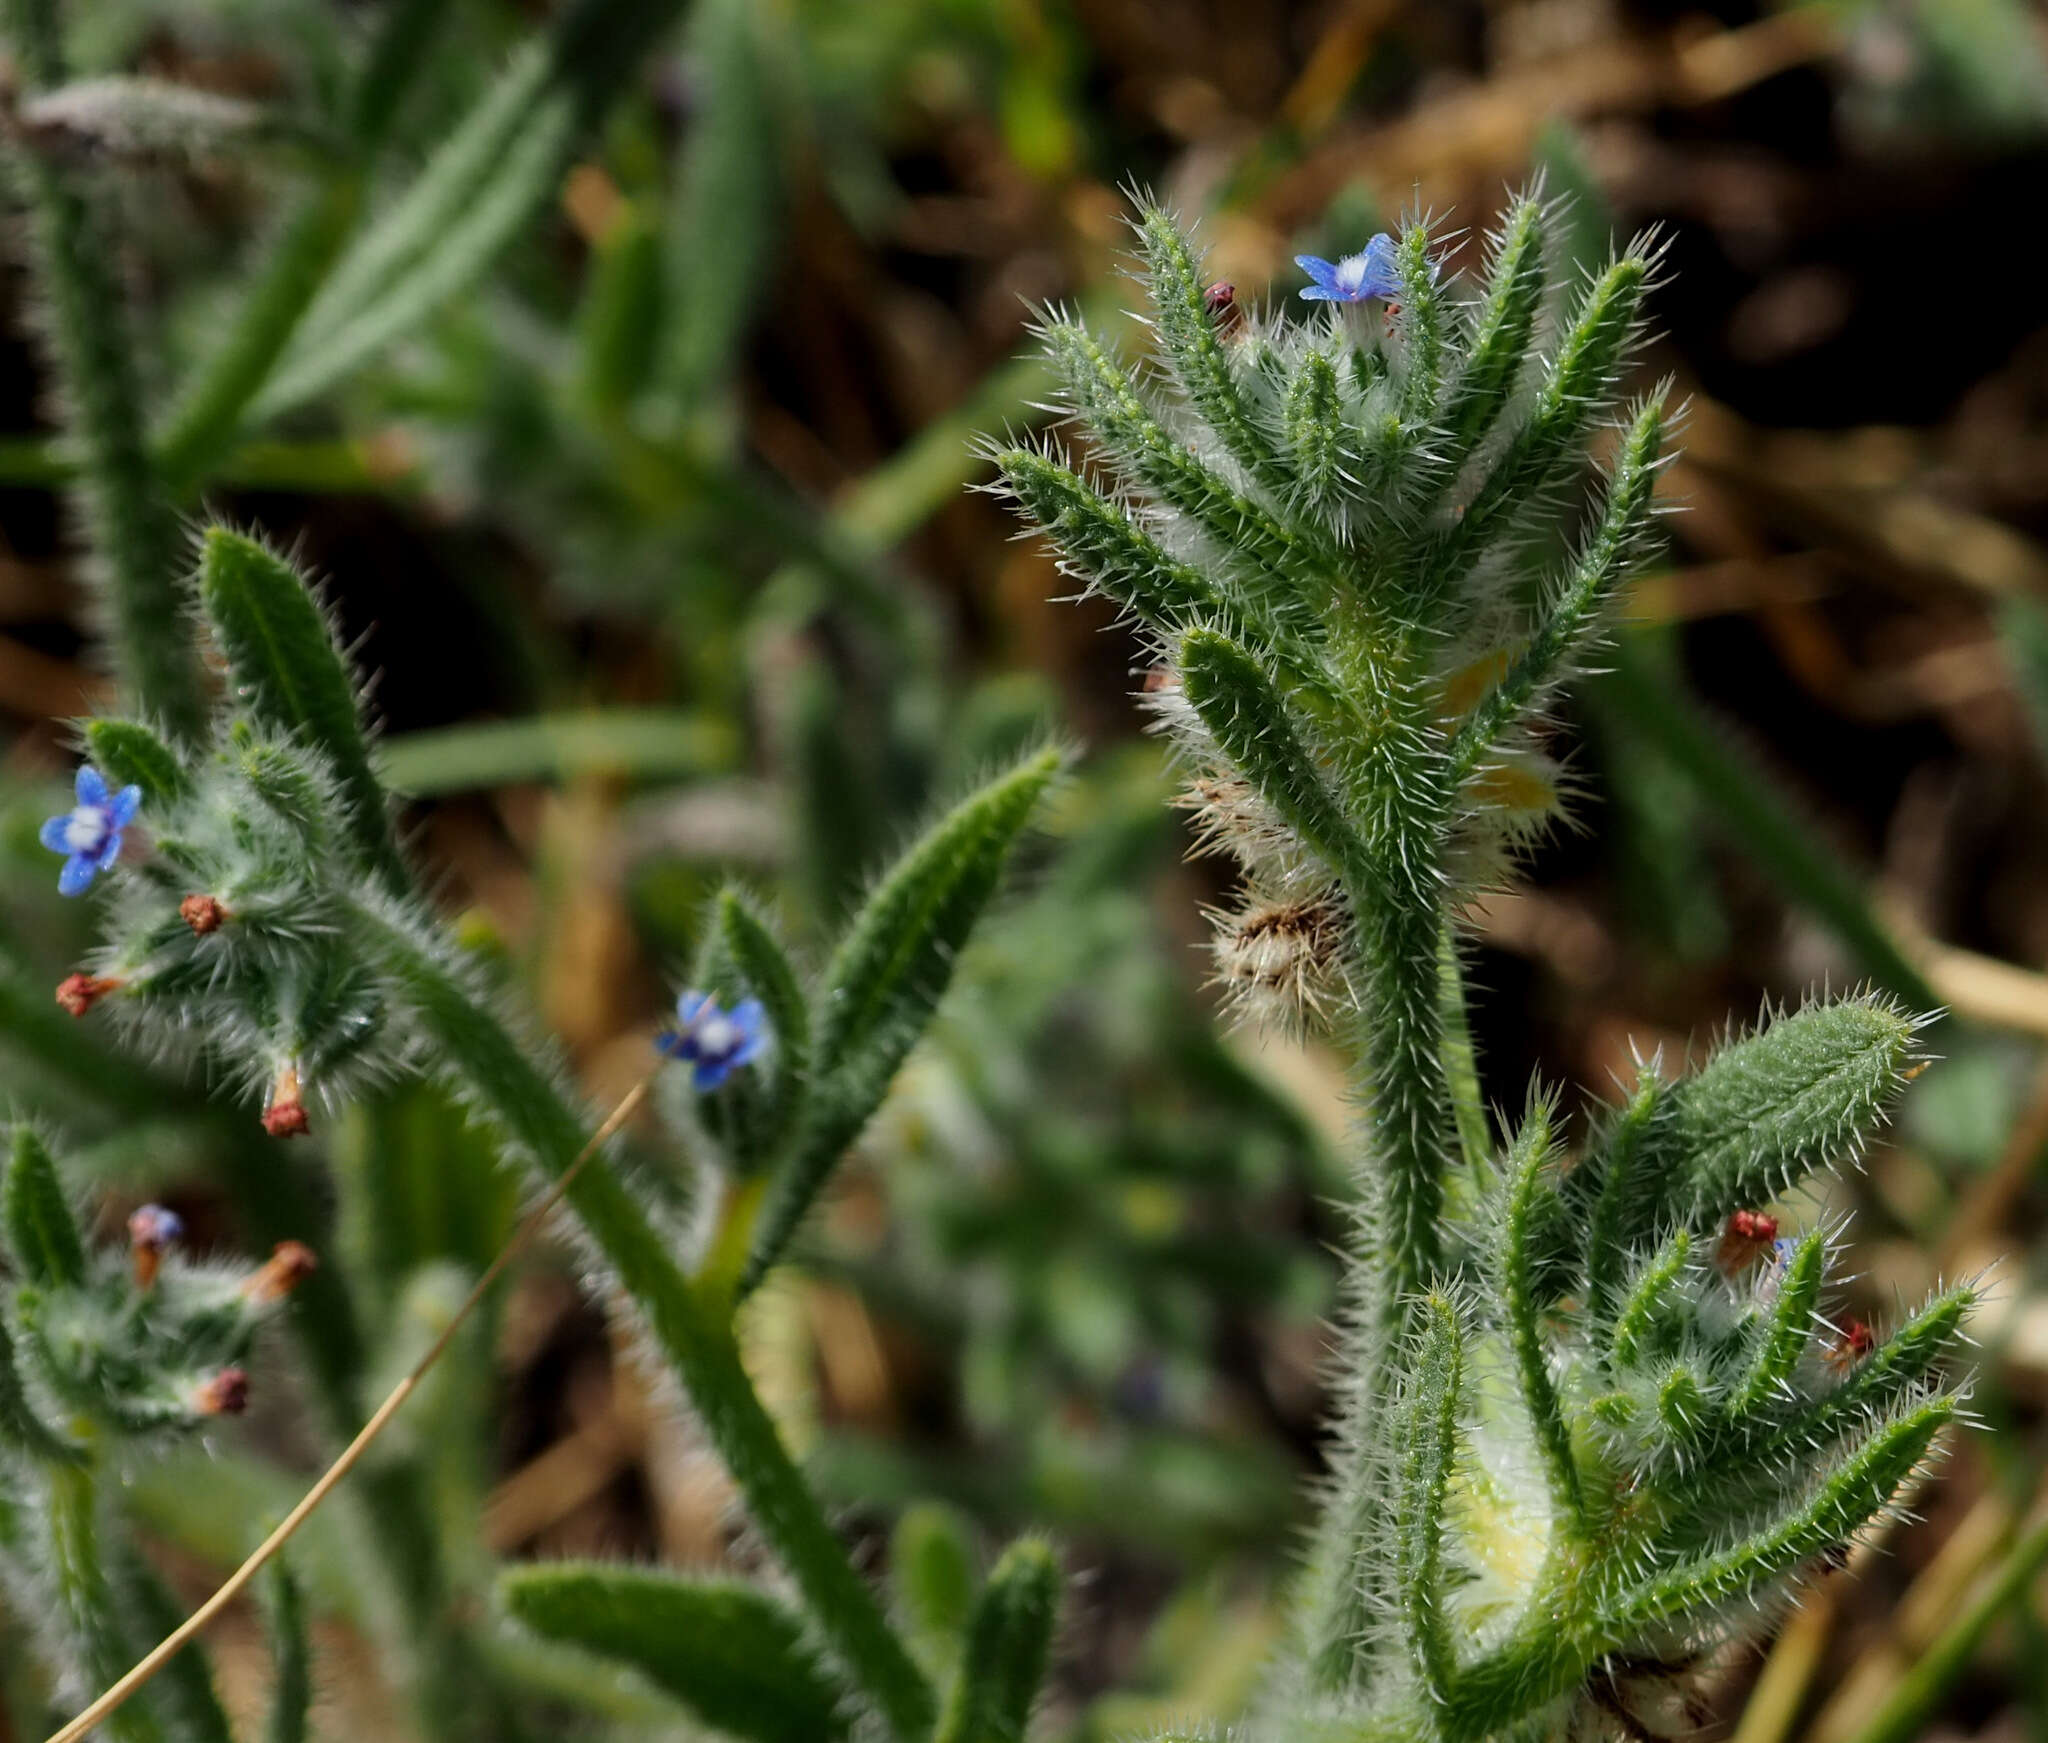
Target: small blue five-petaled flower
(89,834)
(714,1042)
(1354,279)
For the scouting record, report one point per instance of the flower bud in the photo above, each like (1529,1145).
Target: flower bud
(1221,301)
(202,913)
(225,1394)
(290,1264)
(1749,1234)
(151,1231)
(284,1114)
(78,993)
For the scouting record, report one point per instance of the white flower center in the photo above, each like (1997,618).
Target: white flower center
(1351,272)
(85,831)
(716,1035)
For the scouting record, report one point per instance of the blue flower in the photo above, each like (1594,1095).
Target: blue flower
(89,834)
(1355,278)
(715,1042)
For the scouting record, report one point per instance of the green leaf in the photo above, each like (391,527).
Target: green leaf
(1573,612)
(1319,438)
(291,1656)
(1435,1392)
(763,969)
(886,979)
(129,753)
(1241,706)
(1790,1326)
(289,673)
(184,1693)
(484,183)
(620,318)
(1764,1113)
(1578,384)
(722,239)
(931,1567)
(639,743)
(1529,1162)
(1108,547)
(1846,1499)
(1421,327)
(135,572)
(42,1234)
(22,1428)
(1501,333)
(1009,1640)
(1653,1307)
(740,1660)
(1201,362)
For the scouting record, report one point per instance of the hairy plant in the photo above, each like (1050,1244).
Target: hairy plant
(1596,1421)
(272,928)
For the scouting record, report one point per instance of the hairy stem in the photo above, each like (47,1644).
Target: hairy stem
(136,560)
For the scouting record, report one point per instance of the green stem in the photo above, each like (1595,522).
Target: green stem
(692,1325)
(74,1564)
(1461,1064)
(138,561)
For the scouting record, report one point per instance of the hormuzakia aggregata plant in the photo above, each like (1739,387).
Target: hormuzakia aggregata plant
(1596,1422)
(270,927)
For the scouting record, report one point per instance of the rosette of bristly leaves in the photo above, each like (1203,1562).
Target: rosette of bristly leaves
(1596,1417)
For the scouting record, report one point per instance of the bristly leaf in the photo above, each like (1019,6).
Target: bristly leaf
(1578,385)
(488,177)
(185,1694)
(22,1428)
(287,670)
(1187,331)
(729,197)
(132,529)
(1651,1310)
(885,981)
(130,754)
(931,1567)
(1421,327)
(1107,545)
(42,1234)
(1842,1504)
(1241,706)
(1528,1162)
(1573,612)
(291,1657)
(1790,1326)
(1009,1639)
(1499,347)
(1764,1113)
(733,1655)
(1435,1393)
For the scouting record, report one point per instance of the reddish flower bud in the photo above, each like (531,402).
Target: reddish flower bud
(78,993)
(289,1265)
(203,914)
(1748,1236)
(1854,1341)
(1221,301)
(226,1394)
(284,1115)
